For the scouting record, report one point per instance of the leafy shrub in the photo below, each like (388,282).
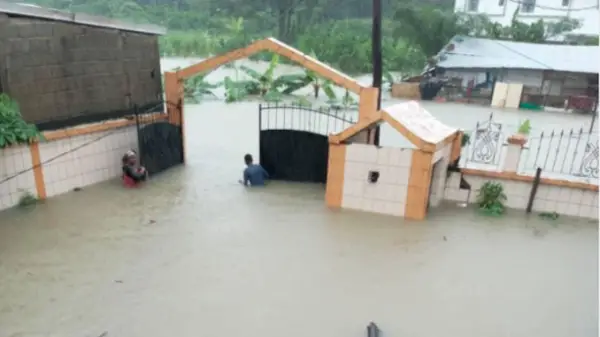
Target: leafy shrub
(27,199)
(491,199)
(13,129)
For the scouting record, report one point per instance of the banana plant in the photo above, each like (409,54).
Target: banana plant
(317,82)
(266,85)
(348,100)
(197,87)
(303,101)
(327,87)
(235,90)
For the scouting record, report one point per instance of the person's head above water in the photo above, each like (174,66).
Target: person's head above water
(248,159)
(130,158)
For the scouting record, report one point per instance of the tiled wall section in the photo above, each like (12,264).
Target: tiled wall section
(440,161)
(388,195)
(562,200)
(441,153)
(13,161)
(85,160)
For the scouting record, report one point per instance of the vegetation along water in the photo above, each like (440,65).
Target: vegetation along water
(336,31)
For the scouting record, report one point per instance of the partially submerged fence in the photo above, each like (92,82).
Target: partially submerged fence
(567,154)
(485,144)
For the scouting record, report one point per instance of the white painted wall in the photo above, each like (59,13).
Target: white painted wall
(89,159)
(441,160)
(562,200)
(12,161)
(501,11)
(89,164)
(388,195)
(530,78)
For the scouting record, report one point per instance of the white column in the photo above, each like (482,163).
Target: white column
(513,153)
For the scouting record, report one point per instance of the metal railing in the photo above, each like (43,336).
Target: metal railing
(485,145)
(292,116)
(566,152)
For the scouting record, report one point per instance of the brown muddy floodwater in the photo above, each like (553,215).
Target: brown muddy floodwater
(195,254)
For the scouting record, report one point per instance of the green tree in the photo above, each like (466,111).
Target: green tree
(428,28)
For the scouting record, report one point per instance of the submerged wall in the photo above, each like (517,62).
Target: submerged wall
(66,163)
(90,159)
(573,199)
(388,194)
(13,161)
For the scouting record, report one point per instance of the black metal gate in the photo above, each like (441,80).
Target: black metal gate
(160,143)
(293,139)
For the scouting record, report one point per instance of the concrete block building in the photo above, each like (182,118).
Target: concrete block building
(66,69)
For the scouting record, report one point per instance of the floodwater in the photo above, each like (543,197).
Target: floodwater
(195,254)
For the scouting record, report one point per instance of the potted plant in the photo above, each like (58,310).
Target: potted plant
(520,138)
(525,128)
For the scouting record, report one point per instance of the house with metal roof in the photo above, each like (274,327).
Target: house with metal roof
(66,68)
(550,73)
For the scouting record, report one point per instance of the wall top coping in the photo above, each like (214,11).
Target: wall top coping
(517,177)
(34,11)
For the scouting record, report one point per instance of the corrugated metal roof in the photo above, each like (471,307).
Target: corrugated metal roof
(469,52)
(28,10)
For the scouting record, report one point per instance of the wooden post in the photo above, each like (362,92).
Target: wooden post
(38,170)
(536,183)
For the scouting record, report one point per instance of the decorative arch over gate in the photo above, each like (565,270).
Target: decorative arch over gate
(367,106)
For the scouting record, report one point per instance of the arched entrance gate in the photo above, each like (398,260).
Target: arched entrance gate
(367,107)
(294,142)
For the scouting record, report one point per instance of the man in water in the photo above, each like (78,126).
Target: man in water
(132,173)
(254,174)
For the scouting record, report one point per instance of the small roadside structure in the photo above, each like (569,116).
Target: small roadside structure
(549,74)
(396,181)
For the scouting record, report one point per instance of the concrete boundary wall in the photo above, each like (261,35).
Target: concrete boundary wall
(68,159)
(77,18)
(562,197)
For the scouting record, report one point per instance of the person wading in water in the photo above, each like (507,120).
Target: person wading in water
(254,174)
(132,173)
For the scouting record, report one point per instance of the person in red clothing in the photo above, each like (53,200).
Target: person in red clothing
(132,173)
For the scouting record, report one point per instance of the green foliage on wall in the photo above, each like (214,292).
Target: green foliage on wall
(13,129)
